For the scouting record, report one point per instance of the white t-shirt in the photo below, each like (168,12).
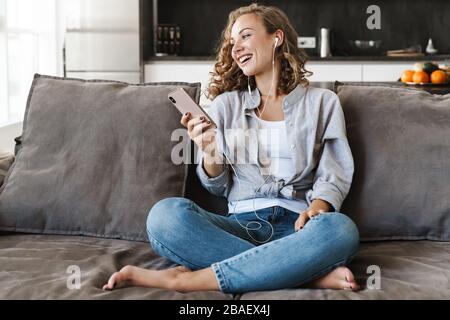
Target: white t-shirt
(272,141)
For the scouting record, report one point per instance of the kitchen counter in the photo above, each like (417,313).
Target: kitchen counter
(434,89)
(383,58)
(439,57)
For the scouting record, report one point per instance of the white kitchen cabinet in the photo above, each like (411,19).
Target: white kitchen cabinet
(99,51)
(388,71)
(198,71)
(332,71)
(187,71)
(102,14)
(102,40)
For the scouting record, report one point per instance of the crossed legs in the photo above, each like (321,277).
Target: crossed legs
(215,253)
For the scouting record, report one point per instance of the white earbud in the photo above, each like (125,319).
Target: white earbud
(276,41)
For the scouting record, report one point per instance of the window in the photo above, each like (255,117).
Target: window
(29,43)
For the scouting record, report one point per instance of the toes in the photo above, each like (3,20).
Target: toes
(353,286)
(349,276)
(111,282)
(349,283)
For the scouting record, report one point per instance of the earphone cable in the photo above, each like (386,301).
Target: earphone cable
(246,227)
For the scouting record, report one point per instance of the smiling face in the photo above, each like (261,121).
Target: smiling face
(252,30)
(252,46)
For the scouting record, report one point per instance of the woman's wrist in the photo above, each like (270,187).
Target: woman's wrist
(211,155)
(213,165)
(320,204)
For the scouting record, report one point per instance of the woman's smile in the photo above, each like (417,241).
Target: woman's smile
(244,58)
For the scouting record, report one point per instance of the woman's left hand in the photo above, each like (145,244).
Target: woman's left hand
(317,206)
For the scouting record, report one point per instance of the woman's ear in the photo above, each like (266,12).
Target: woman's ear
(279,35)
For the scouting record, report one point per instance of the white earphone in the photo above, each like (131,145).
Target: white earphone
(259,225)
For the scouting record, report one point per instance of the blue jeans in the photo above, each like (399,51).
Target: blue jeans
(181,231)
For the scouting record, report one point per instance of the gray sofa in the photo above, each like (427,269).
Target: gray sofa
(399,198)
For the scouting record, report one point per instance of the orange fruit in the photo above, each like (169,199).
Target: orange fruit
(438,76)
(407,76)
(420,77)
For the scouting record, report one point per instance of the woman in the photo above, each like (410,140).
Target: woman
(283,229)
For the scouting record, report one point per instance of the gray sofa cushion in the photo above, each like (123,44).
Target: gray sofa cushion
(400,139)
(406,269)
(95,157)
(37,267)
(6,160)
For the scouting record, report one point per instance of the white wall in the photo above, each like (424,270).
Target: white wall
(7,135)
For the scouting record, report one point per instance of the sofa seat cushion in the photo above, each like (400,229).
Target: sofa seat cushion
(36,267)
(408,269)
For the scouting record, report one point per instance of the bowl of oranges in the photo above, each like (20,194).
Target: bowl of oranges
(427,73)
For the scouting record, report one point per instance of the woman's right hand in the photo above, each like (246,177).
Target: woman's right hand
(201,131)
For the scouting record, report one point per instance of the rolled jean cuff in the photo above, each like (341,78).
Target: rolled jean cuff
(220,277)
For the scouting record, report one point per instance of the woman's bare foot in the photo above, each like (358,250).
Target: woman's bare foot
(340,278)
(165,279)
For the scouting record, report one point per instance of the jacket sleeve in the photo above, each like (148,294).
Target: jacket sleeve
(335,169)
(219,185)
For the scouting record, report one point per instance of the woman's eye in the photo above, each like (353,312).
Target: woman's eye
(243,37)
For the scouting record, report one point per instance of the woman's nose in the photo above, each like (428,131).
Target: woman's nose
(236,48)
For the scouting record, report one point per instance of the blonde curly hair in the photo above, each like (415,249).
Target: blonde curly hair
(227,76)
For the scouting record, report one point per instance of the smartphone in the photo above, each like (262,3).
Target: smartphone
(184,103)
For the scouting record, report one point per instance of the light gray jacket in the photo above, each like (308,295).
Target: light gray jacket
(316,135)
